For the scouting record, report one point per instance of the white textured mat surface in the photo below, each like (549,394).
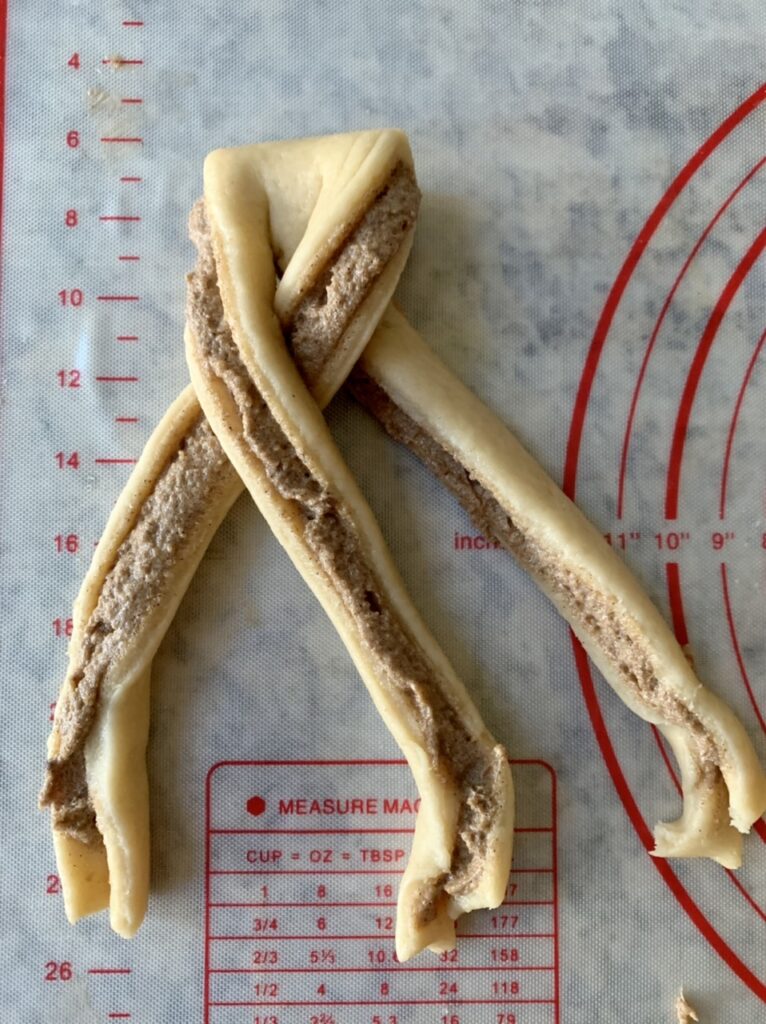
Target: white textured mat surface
(589,259)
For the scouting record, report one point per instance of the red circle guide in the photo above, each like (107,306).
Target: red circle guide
(300,903)
(675,456)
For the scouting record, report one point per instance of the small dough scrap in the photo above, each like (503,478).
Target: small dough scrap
(685,1013)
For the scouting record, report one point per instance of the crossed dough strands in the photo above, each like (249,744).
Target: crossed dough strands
(170,508)
(182,488)
(513,501)
(274,433)
(510,498)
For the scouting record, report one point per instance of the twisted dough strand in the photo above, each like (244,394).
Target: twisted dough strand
(275,436)
(513,501)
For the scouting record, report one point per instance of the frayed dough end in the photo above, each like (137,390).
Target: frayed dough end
(704,829)
(426,911)
(675,839)
(84,876)
(428,865)
(747,807)
(118,784)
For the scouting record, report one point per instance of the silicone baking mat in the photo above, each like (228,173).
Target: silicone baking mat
(589,258)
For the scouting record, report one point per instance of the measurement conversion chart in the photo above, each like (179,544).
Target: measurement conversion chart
(302,871)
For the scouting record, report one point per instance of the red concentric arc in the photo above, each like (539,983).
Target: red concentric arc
(668,763)
(694,376)
(658,326)
(735,645)
(626,272)
(733,425)
(676,604)
(574,443)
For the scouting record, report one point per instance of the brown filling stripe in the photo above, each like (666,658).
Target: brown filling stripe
(332,538)
(135,585)
(143,568)
(321,319)
(613,633)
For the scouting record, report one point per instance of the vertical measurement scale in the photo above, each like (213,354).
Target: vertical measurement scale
(99,335)
(303,867)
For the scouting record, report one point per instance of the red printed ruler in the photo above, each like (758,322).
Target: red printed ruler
(303,863)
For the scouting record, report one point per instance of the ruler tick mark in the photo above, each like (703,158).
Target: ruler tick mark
(131,99)
(127,337)
(118,216)
(116,380)
(121,138)
(130,178)
(117,298)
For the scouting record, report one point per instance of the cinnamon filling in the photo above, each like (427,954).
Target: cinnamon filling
(320,320)
(136,584)
(615,634)
(331,536)
(145,562)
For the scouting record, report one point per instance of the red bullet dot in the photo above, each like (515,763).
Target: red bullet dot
(256,805)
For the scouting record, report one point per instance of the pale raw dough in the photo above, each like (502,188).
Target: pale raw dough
(283,185)
(685,1013)
(236,209)
(724,787)
(115,872)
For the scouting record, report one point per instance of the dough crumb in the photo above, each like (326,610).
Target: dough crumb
(115,61)
(98,99)
(685,1013)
